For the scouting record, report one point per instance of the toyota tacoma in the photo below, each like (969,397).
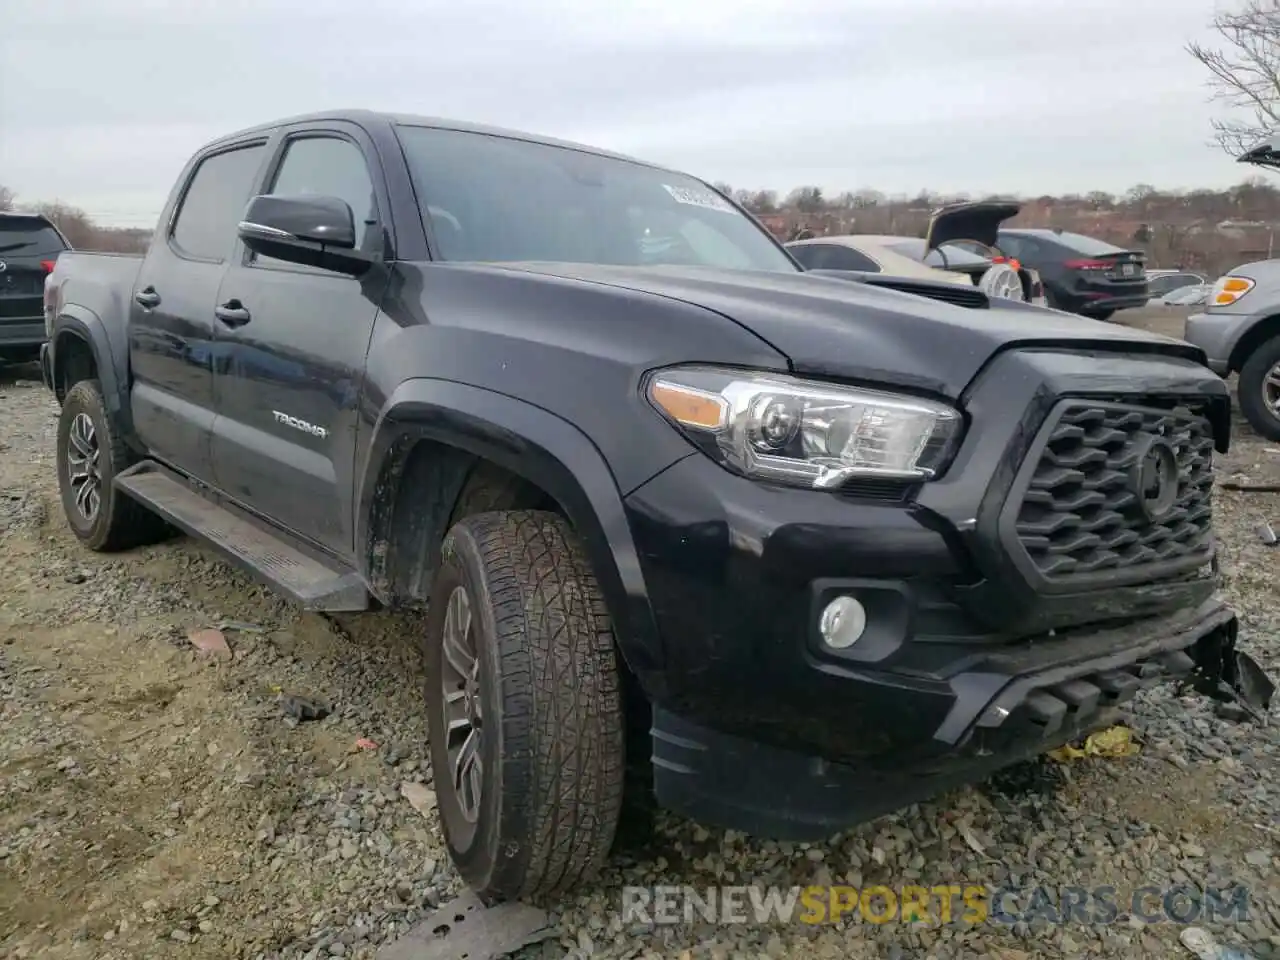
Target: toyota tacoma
(783,550)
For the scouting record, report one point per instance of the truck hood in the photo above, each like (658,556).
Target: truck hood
(978,221)
(833,328)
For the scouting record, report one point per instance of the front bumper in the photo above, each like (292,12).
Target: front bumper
(1217,335)
(1014,704)
(968,653)
(1097,304)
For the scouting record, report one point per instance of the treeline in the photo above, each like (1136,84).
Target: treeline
(1210,230)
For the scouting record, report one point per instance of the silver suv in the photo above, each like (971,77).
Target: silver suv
(1239,328)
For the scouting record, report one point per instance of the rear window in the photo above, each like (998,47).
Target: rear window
(1079,243)
(29,236)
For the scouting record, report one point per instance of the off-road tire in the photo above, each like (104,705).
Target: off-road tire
(552,744)
(1249,389)
(120,522)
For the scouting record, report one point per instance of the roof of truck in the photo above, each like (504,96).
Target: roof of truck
(366,118)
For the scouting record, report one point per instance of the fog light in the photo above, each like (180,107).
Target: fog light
(842,622)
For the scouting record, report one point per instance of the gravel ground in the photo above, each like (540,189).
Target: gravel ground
(157,802)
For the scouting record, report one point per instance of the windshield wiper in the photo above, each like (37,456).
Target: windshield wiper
(5,248)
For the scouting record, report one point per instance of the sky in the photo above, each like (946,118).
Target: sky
(102,101)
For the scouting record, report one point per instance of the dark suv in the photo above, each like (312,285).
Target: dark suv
(29,247)
(1081,274)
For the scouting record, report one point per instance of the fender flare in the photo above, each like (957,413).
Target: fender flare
(82,322)
(544,449)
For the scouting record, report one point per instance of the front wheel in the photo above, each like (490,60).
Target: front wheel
(524,706)
(1259,389)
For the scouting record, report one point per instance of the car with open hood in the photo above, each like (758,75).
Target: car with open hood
(1239,327)
(964,237)
(957,249)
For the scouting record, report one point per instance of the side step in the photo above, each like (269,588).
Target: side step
(313,583)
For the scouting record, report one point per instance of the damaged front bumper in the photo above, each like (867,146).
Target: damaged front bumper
(1009,704)
(1229,676)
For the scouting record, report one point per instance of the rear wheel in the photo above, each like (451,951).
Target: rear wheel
(524,706)
(1259,389)
(90,455)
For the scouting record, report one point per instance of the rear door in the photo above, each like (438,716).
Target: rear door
(171,319)
(29,246)
(291,349)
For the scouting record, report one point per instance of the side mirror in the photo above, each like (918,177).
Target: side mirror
(316,231)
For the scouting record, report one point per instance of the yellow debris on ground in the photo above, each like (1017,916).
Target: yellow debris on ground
(1112,742)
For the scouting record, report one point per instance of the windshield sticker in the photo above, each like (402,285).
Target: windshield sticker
(698,198)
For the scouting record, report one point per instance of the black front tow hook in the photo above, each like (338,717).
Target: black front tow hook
(1225,674)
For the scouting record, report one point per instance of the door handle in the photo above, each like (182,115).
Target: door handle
(147,298)
(233,313)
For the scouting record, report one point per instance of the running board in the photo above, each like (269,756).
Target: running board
(315,584)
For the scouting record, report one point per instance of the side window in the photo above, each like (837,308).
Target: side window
(331,167)
(846,258)
(214,202)
(806,254)
(831,256)
(1012,246)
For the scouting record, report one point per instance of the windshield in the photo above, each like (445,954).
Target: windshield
(29,236)
(493,199)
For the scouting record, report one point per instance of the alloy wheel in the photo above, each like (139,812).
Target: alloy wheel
(82,466)
(464,718)
(1271,390)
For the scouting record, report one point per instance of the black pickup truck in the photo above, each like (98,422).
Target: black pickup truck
(801,548)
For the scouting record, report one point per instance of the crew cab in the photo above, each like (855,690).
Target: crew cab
(784,550)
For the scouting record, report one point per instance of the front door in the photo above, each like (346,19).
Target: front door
(289,357)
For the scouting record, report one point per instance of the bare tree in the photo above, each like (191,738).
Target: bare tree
(1245,72)
(6,198)
(72,221)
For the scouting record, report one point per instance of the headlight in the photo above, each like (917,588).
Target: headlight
(1229,289)
(803,433)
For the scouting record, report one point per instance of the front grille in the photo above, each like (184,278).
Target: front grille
(1081,510)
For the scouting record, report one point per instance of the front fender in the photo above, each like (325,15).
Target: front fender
(112,364)
(545,450)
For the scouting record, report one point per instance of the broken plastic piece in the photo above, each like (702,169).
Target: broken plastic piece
(304,709)
(464,927)
(1225,674)
(1265,533)
(364,743)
